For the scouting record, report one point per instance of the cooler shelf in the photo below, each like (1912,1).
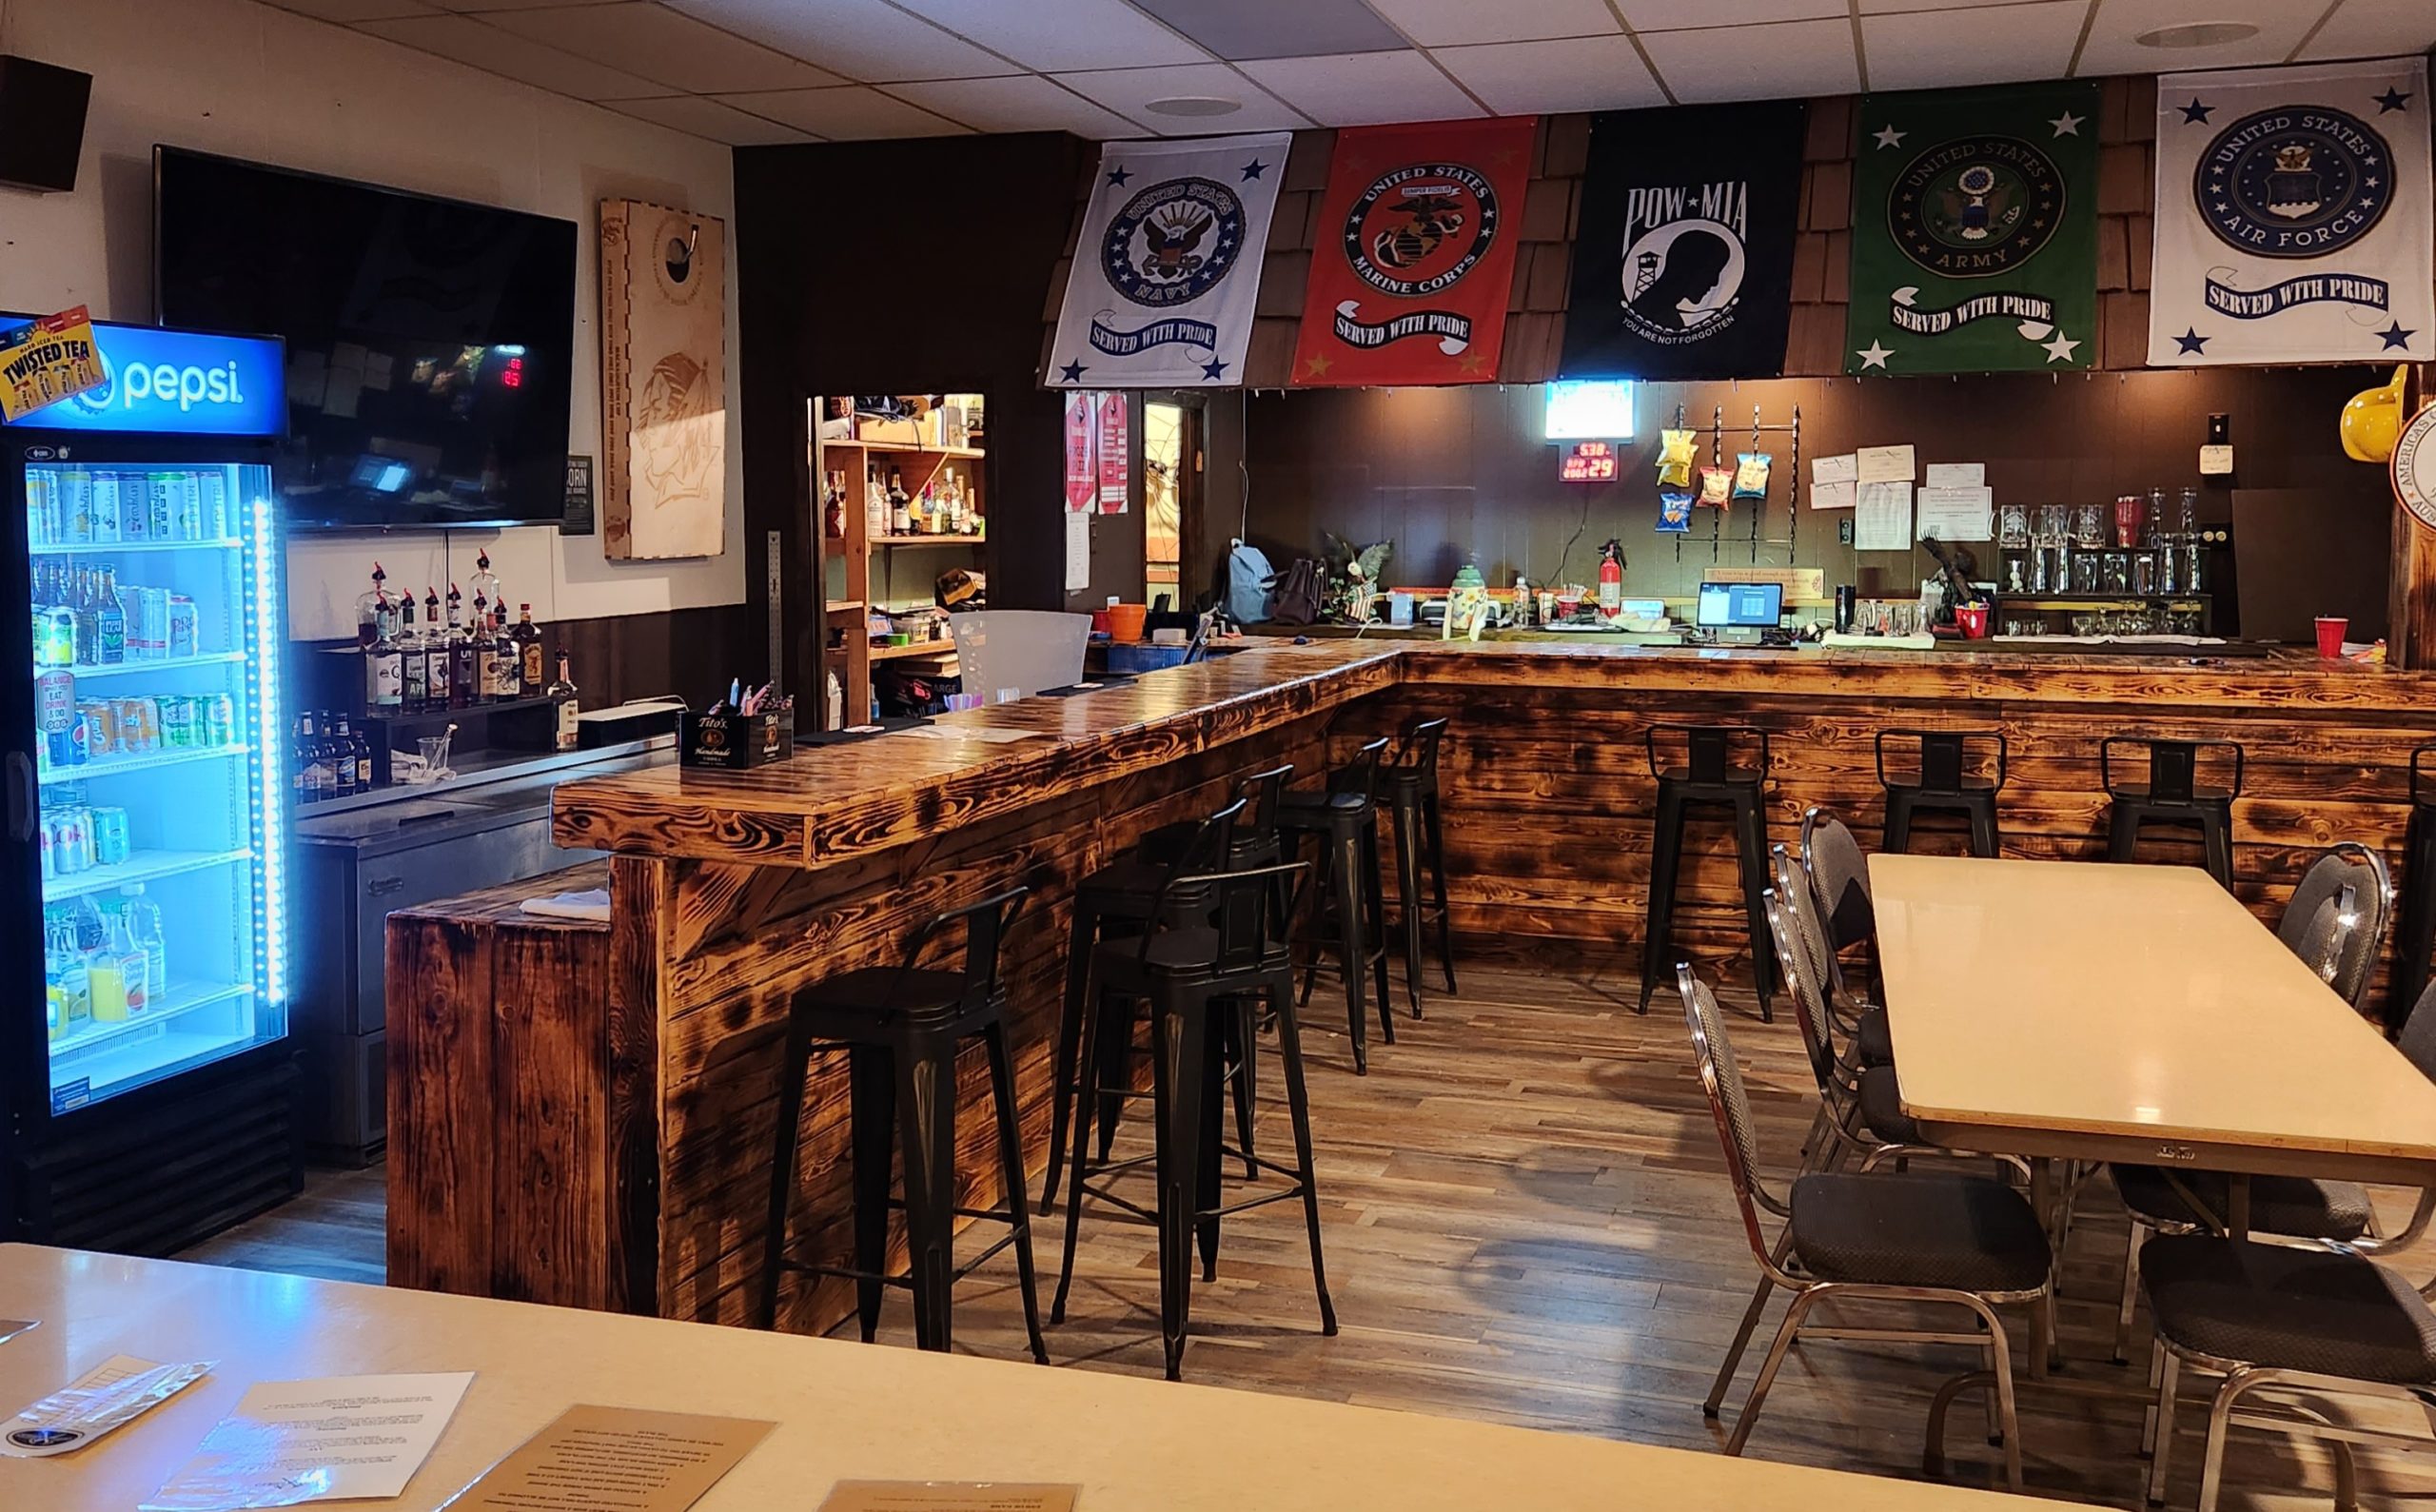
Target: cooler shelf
(91,770)
(120,669)
(144,867)
(177,1002)
(89,548)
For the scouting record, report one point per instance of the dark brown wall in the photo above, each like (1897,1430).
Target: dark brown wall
(1444,471)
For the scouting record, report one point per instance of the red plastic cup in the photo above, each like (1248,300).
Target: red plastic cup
(1973,617)
(2330,630)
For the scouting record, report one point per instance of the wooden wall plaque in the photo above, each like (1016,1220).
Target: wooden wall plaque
(664,381)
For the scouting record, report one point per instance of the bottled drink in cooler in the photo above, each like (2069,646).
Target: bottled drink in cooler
(144,929)
(110,620)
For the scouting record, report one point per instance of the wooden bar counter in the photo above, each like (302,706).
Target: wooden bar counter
(624,1162)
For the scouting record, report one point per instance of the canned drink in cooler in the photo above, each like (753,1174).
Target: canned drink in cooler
(177,722)
(161,500)
(148,637)
(107,525)
(139,725)
(76,506)
(219,720)
(103,739)
(190,506)
(215,505)
(67,840)
(113,844)
(183,627)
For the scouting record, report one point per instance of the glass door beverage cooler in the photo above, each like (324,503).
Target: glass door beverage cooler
(144,1023)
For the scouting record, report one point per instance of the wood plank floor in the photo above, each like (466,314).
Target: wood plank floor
(1526,1220)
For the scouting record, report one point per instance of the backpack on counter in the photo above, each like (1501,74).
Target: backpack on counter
(1298,595)
(1249,577)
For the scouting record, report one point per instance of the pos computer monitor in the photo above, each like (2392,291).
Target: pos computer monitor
(1741,611)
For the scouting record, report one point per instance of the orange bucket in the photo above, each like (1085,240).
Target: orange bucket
(1125,622)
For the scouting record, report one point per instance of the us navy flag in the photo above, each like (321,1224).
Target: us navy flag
(1168,267)
(2293,221)
(1683,264)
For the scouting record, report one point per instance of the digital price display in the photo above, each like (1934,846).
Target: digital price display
(1589,461)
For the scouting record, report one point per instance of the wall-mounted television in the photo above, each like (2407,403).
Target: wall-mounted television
(430,341)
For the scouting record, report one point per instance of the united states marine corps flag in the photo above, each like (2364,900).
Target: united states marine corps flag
(1683,267)
(1975,231)
(2294,220)
(1415,255)
(1168,267)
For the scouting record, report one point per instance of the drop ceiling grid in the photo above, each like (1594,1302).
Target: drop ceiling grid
(753,72)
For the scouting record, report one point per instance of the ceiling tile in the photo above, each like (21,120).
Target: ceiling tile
(1023,102)
(1448,23)
(1940,48)
(853,113)
(1882,7)
(1590,73)
(2375,28)
(1062,35)
(350,12)
(497,4)
(658,43)
(1786,60)
(1277,29)
(861,39)
(1129,91)
(708,118)
(1672,15)
(2111,48)
(468,41)
(1363,89)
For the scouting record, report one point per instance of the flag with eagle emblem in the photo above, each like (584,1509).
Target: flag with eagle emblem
(1414,265)
(1167,269)
(1975,231)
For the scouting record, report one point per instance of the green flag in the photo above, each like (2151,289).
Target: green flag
(1975,231)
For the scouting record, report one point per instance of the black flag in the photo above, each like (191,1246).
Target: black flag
(1683,266)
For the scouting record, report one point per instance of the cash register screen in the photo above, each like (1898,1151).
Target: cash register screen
(1741,605)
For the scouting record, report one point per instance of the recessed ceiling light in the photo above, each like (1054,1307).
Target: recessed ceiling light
(2199,34)
(1194,104)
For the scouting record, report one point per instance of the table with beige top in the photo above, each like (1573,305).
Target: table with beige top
(841,1410)
(2092,1012)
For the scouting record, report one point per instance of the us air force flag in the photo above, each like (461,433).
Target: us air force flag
(1167,266)
(2293,219)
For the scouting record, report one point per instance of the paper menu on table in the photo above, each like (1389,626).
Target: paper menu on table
(949,1496)
(1882,517)
(333,1439)
(593,1458)
(1832,481)
(1885,464)
(1958,475)
(1955,514)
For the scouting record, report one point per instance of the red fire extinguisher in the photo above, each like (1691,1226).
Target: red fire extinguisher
(1611,578)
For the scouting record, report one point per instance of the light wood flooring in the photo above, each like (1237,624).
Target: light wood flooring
(1526,1220)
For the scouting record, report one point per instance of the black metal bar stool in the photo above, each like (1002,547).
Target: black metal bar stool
(1348,904)
(1241,955)
(2418,942)
(901,1028)
(1121,896)
(1421,840)
(1709,777)
(2173,794)
(1940,784)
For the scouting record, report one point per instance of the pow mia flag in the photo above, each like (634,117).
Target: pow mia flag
(1682,267)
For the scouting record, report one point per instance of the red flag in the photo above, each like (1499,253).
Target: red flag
(1415,261)
(1082,452)
(1115,453)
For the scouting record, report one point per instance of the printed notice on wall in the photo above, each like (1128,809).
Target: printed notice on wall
(1079,552)
(614,1460)
(336,1438)
(1832,481)
(949,1496)
(1882,517)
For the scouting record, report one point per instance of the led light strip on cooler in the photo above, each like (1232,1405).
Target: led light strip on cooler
(269,801)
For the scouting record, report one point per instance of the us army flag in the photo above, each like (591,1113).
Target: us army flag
(1975,231)
(2293,221)
(1168,267)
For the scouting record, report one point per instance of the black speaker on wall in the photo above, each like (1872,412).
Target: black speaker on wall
(42,123)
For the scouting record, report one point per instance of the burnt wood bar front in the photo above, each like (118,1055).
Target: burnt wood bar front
(621,1158)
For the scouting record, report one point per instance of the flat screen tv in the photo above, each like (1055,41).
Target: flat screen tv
(430,341)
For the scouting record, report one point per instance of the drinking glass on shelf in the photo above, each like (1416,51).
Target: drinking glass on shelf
(2089,524)
(2131,520)
(2013,526)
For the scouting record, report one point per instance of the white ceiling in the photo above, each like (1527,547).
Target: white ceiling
(758,71)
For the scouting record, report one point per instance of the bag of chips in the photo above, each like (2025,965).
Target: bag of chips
(1674,458)
(1717,486)
(1751,474)
(1674,512)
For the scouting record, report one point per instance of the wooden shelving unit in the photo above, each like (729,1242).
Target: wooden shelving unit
(852,591)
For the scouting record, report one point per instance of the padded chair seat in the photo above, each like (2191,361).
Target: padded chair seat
(884,991)
(1318,810)
(2295,1309)
(1194,949)
(1965,1232)
(1873,1042)
(2297,1206)
(1882,1108)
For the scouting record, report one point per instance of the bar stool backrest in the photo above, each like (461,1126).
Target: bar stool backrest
(986,924)
(1838,878)
(1360,777)
(1708,749)
(1252,926)
(2418,1039)
(1942,754)
(1261,793)
(1421,741)
(1729,1104)
(2174,765)
(1809,1002)
(2335,920)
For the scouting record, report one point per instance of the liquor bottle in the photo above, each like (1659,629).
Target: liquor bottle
(875,503)
(485,584)
(464,676)
(529,681)
(367,609)
(833,505)
(900,505)
(506,676)
(384,669)
(563,690)
(440,656)
(415,661)
(111,619)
